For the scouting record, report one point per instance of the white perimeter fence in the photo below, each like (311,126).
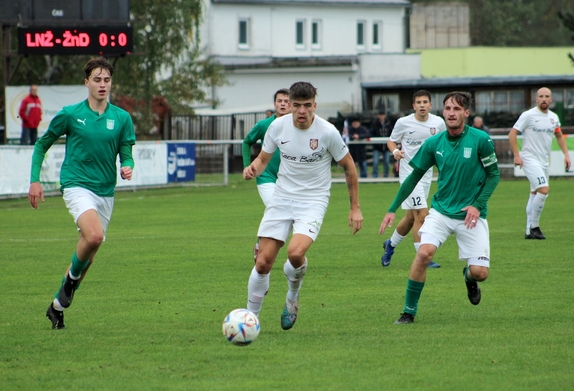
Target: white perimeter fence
(193,163)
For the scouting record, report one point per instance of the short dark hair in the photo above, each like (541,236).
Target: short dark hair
(282,91)
(382,112)
(422,93)
(462,98)
(99,62)
(302,90)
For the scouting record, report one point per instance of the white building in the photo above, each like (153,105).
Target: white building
(336,45)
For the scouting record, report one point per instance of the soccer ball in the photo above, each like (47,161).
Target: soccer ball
(241,327)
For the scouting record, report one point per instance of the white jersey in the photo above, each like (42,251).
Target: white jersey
(412,133)
(537,130)
(306,156)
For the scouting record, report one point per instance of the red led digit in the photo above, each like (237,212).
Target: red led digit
(103,39)
(122,39)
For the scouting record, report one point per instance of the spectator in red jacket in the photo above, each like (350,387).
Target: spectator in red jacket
(31,114)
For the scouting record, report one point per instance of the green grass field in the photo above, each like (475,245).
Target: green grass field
(176,261)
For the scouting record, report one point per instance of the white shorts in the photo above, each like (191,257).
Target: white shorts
(283,215)
(78,200)
(537,174)
(473,244)
(418,198)
(266,191)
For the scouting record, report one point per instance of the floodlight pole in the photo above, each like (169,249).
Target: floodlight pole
(5,38)
(7,55)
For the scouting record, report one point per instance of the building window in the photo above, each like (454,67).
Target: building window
(377,27)
(387,102)
(496,101)
(569,98)
(243,41)
(562,98)
(300,34)
(361,34)
(437,105)
(316,34)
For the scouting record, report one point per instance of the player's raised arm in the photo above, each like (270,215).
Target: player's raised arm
(387,222)
(397,153)
(35,193)
(355,215)
(513,140)
(257,166)
(564,148)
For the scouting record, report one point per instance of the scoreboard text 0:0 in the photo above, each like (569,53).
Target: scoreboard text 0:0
(75,40)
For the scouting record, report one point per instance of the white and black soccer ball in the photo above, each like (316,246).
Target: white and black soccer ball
(241,327)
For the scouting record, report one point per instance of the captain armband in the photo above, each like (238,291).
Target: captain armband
(489,160)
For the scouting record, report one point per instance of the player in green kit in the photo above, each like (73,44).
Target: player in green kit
(468,174)
(266,181)
(96,133)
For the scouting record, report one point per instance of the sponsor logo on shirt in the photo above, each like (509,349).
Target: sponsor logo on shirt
(542,130)
(314,157)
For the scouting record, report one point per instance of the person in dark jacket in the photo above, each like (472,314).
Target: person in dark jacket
(381,127)
(358,151)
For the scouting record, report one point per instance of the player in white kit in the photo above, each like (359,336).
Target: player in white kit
(537,126)
(411,132)
(307,144)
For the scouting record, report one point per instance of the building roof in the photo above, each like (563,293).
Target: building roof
(230,62)
(315,2)
(462,82)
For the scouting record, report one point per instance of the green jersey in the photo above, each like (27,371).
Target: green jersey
(93,143)
(467,172)
(254,135)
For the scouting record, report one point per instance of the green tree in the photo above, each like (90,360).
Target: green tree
(173,65)
(167,67)
(567,18)
(517,23)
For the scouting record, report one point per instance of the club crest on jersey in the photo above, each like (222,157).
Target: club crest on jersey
(110,124)
(314,143)
(552,121)
(467,152)
(433,131)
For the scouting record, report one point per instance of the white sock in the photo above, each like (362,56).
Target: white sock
(294,279)
(256,289)
(57,306)
(537,206)
(529,213)
(396,239)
